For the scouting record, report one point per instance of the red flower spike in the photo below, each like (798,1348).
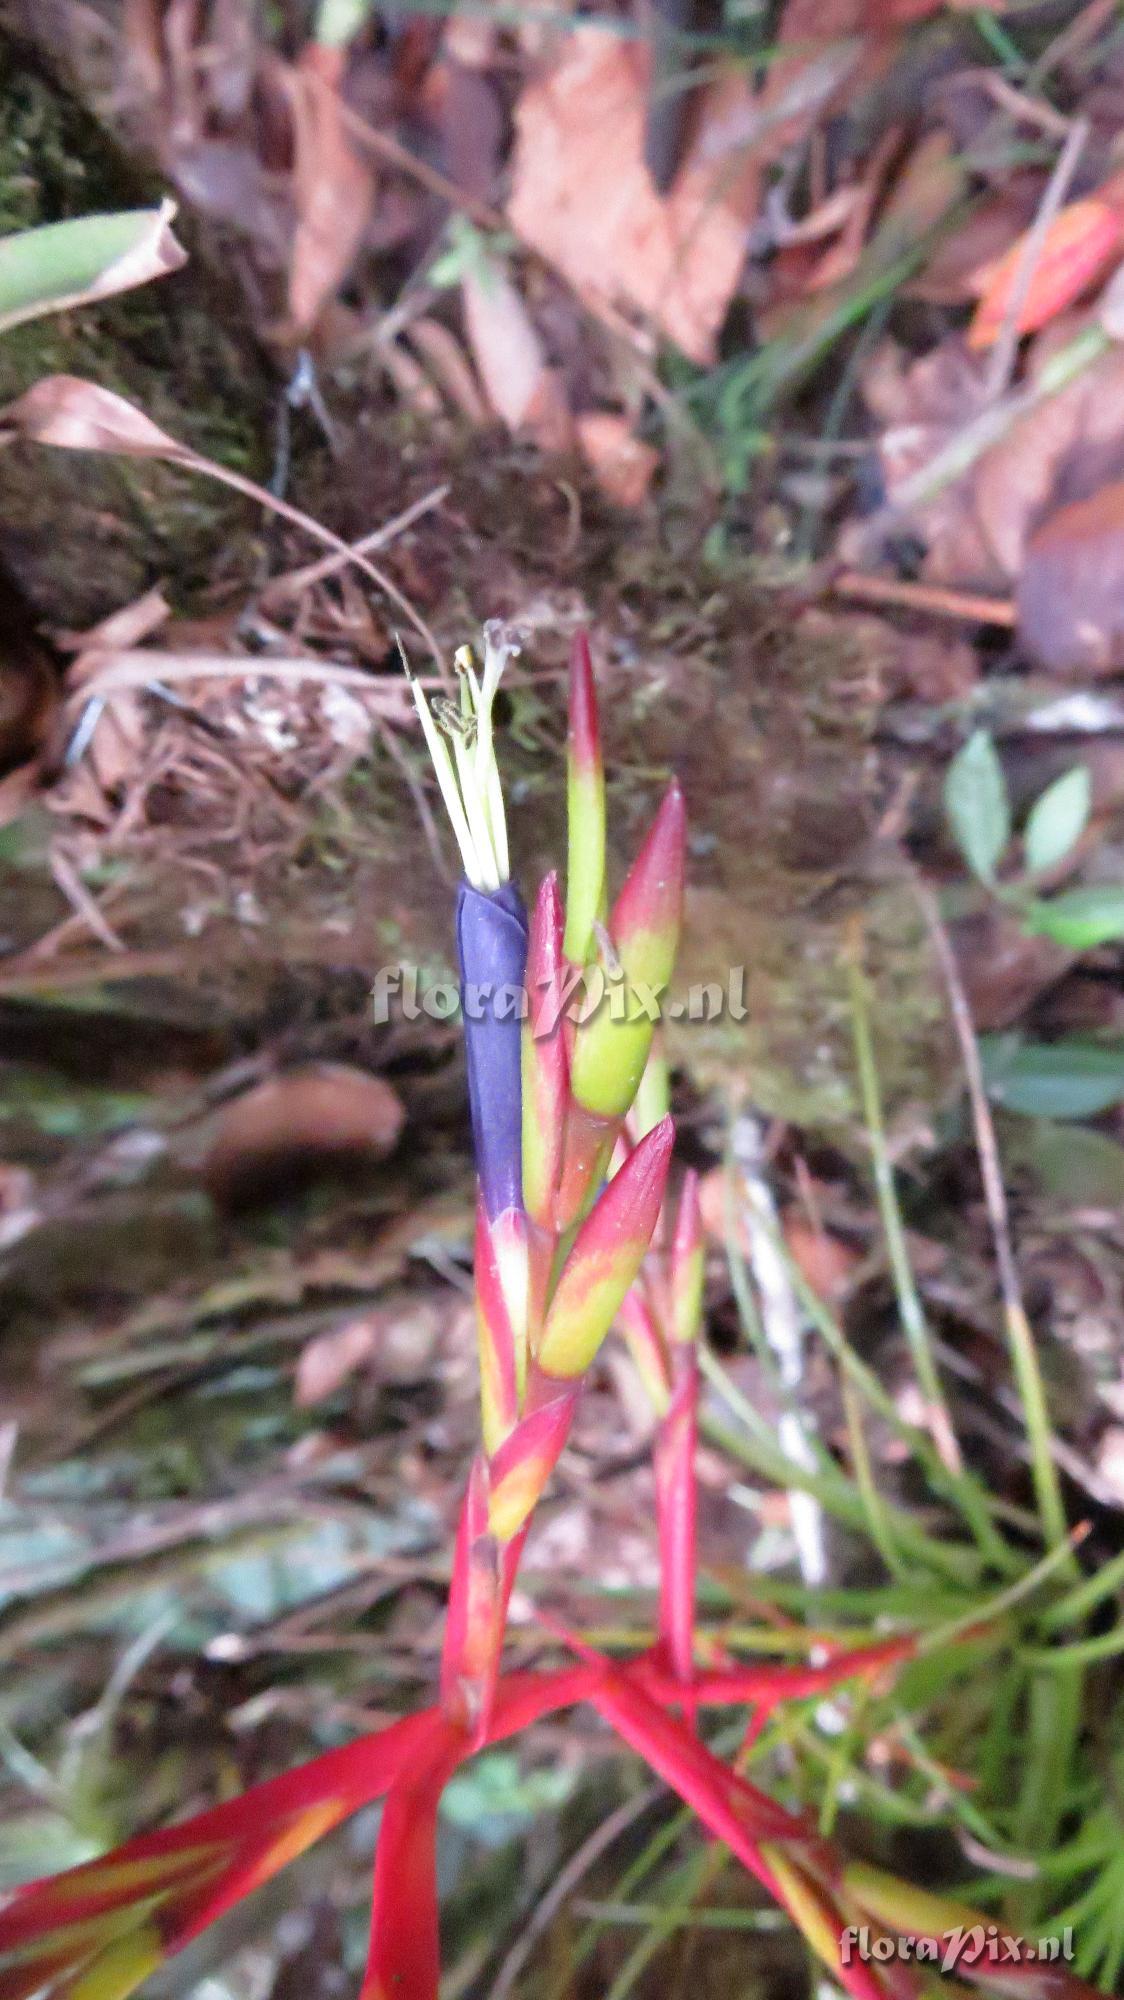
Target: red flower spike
(546,1068)
(585,808)
(728,1804)
(649,910)
(607,1254)
(688,1265)
(611,1047)
(404,1962)
(677,1513)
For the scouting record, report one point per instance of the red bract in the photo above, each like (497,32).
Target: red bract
(607,1254)
(546,1069)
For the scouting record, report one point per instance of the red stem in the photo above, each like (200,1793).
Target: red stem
(677,1511)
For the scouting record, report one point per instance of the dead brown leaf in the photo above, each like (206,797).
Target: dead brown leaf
(333,193)
(449,365)
(1004,970)
(521,388)
(398,1341)
(505,347)
(307,1117)
(1070,592)
(977,527)
(824,1261)
(328,1361)
(622,464)
(583,198)
(74,415)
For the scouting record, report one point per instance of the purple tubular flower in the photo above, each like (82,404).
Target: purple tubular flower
(492,956)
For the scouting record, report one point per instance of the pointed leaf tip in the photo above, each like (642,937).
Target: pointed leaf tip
(651,900)
(584,738)
(611,1047)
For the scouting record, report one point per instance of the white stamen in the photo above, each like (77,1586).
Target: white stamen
(469,776)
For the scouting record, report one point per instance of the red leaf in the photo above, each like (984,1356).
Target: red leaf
(1077,246)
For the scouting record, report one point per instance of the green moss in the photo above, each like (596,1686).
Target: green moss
(84,533)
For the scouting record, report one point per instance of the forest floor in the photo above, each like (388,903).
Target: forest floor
(846,526)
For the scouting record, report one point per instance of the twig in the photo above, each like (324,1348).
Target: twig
(564,1883)
(1020,1337)
(195,461)
(1004,353)
(1032,110)
(943,603)
(82,903)
(782,1321)
(136,666)
(1069,39)
(293,581)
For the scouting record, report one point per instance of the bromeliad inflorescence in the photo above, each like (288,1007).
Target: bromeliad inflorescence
(554,1259)
(573,1142)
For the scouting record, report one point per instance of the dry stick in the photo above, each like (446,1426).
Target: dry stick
(293,581)
(978,610)
(1020,1337)
(1071,38)
(194,461)
(579,1864)
(781,1319)
(1004,353)
(82,903)
(1031,110)
(136,666)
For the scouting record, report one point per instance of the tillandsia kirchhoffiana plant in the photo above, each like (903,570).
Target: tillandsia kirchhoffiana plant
(573,1147)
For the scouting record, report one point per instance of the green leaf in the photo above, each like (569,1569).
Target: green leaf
(1074,1163)
(87,258)
(975,797)
(1080,918)
(1069,1079)
(1057,820)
